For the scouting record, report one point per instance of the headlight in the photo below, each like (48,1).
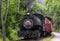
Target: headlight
(28,23)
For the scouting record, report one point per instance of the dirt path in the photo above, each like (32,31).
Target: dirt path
(56,36)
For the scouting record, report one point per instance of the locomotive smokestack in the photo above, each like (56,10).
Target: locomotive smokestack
(29,5)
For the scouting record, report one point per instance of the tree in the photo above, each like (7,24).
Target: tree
(3,19)
(7,6)
(18,6)
(3,23)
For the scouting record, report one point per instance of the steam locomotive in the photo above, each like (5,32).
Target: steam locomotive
(34,25)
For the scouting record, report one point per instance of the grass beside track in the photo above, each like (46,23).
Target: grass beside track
(48,38)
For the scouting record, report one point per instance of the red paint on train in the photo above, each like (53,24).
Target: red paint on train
(48,25)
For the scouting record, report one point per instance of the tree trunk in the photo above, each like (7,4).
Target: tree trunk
(4,19)
(0,8)
(3,23)
(7,6)
(18,6)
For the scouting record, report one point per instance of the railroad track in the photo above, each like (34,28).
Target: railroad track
(40,39)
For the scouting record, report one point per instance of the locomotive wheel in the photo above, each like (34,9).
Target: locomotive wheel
(44,34)
(41,35)
(49,33)
(34,36)
(38,36)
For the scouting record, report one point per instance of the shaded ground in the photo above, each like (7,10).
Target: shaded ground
(56,36)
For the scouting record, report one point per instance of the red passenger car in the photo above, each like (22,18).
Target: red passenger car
(48,25)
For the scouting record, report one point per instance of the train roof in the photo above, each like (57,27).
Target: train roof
(48,18)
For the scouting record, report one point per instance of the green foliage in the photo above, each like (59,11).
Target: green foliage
(51,8)
(38,8)
(13,18)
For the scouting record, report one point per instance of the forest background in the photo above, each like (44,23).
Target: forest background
(13,11)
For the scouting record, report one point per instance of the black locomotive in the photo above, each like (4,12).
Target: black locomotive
(31,26)
(34,25)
